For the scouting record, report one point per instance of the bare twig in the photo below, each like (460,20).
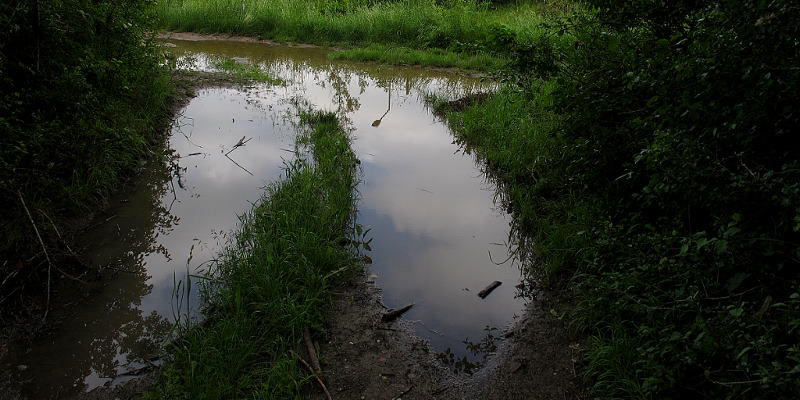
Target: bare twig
(394,314)
(44,248)
(736,383)
(238,144)
(502,262)
(399,396)
(57,232)
(312,354)
(237,164)
(319,380)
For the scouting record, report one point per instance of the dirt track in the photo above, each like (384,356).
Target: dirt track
(362,359)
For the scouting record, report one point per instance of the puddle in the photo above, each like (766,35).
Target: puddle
(430,210)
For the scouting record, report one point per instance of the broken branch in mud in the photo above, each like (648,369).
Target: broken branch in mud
(312,354)
(399,396)
(392,314)
(488,289)
(318,379)
(44,248)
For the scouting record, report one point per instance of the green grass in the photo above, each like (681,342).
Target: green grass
(247,72)
(665,313)
(457,26)
(514,135)
(432,58)
(75,121)
(273,280)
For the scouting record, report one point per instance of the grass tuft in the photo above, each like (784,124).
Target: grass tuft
(459,27)
(431,58)
(272,282)
(246,71)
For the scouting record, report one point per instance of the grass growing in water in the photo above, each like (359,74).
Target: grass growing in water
(513,134)
(273,281)
(434,58)
(246,71)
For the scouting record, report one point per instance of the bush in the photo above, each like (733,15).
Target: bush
(81,92)
(680,123)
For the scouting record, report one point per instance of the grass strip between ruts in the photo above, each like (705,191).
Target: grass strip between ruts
(272,281)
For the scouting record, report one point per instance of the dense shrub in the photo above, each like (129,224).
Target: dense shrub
(80,93)
(681,120)
(664,189)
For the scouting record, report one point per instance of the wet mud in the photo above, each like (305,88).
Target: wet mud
(438,240)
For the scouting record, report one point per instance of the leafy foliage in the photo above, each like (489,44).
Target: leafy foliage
(680,122)
(674,181)
(80,94)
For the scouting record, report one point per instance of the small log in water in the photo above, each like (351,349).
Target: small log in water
(492,286)
(392,314)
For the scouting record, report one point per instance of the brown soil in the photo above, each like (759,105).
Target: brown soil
(195,37)
(365,359)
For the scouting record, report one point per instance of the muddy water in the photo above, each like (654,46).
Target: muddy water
(431,213)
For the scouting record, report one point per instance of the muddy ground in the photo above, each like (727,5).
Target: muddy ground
(193,37)
(21,329)
(361,357)
(365,359)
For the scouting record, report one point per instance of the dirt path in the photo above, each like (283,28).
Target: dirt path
(194,37)
(365,360)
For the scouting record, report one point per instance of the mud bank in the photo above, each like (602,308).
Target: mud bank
(366,359)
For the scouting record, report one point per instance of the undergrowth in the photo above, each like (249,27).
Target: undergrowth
(458,26)
(655,175)
(272,281)
(83,95)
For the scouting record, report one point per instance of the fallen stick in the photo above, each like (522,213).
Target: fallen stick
(238,144)
(44,248)
(312,354)
(399,396)
(319,380)
(392,314)
(492,286)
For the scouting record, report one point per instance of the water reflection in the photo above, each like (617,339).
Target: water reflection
(431,212)
(479,352)
(172,223)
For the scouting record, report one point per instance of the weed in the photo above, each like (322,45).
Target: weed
(246,71)
(272,281)
(434,57)
(457,26)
